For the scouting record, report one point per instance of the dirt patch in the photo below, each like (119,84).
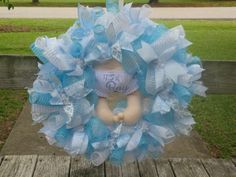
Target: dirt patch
(215,151)
(14,28)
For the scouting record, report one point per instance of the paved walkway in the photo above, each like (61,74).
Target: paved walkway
(159,13)
(24,140)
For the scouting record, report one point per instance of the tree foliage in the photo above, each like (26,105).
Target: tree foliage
(8,4)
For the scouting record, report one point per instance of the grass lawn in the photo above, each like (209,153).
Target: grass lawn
(11,104)
(198,2)
(215,115)
(212,40)
(101,2)
(216,121)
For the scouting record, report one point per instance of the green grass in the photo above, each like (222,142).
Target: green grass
(201,2)
(212,40)
(101,2)
(11,102)
(19,42)
(216,121)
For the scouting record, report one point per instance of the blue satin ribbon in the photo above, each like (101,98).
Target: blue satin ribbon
(104,148)
(100,33)
(159,133)
(39,53)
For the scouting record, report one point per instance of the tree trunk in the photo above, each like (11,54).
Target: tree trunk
(35,1)
(153,1)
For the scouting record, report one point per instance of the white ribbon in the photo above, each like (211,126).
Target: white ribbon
(147,53)
(79,143)
(160,106)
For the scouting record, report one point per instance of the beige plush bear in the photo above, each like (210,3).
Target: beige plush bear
(110,78)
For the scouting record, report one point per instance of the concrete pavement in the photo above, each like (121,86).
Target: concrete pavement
(24,139)
(157,13)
